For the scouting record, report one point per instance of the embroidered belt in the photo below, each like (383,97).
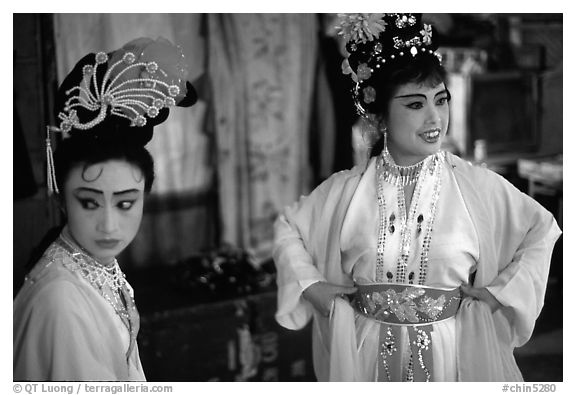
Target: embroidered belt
(405,304)
(416,307)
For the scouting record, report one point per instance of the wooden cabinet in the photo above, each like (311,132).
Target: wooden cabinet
(234,340)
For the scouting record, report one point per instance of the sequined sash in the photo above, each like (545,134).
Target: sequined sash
(404,304)
(415,307)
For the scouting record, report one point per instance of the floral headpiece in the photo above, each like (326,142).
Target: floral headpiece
(377,41)
(124,94)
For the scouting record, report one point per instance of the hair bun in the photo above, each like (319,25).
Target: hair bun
(124,93)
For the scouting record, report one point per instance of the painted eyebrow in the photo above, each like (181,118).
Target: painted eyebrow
(420,95)
(85,189)
(127,191)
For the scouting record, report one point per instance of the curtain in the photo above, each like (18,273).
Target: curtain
(260,72)
(262,75)
(180,146)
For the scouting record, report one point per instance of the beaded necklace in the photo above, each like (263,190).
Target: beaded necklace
(109,281)
(400,176)
(385,164)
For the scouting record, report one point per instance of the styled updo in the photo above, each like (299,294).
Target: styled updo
(386,51)
(109,104)
(106,109)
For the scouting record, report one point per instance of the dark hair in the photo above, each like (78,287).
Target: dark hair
(423,69)
(87,151)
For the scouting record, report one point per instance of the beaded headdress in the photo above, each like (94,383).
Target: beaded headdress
(378,42)
(122,94)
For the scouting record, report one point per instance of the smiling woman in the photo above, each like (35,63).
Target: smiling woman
(417,121)
(416,266)
(75,317)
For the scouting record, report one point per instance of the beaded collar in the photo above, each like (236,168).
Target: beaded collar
(99,275)
(401,175)
(109,281)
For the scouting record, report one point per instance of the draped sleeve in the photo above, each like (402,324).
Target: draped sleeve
(302,252)
(524,237)
(517,236)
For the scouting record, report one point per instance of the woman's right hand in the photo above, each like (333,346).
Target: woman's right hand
(322,294)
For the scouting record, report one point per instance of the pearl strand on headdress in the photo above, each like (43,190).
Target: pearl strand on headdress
(50,167)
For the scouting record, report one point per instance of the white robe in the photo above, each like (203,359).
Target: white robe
(508,239)
(64,330)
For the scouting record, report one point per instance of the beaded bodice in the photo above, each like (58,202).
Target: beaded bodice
(414,223)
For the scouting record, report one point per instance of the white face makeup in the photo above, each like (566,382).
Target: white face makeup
(417,122)
(104,204)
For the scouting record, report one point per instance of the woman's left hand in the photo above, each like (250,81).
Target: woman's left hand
(482,294)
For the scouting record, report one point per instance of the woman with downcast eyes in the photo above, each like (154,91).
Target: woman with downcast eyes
(75,317)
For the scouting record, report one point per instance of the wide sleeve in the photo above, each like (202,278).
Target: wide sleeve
(523,237)
(56,337)
(294,260)
(479,352)
(304,249)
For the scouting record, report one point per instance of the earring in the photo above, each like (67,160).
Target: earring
(385,136)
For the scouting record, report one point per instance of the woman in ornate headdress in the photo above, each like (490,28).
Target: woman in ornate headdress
(417,266)
(75,316)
